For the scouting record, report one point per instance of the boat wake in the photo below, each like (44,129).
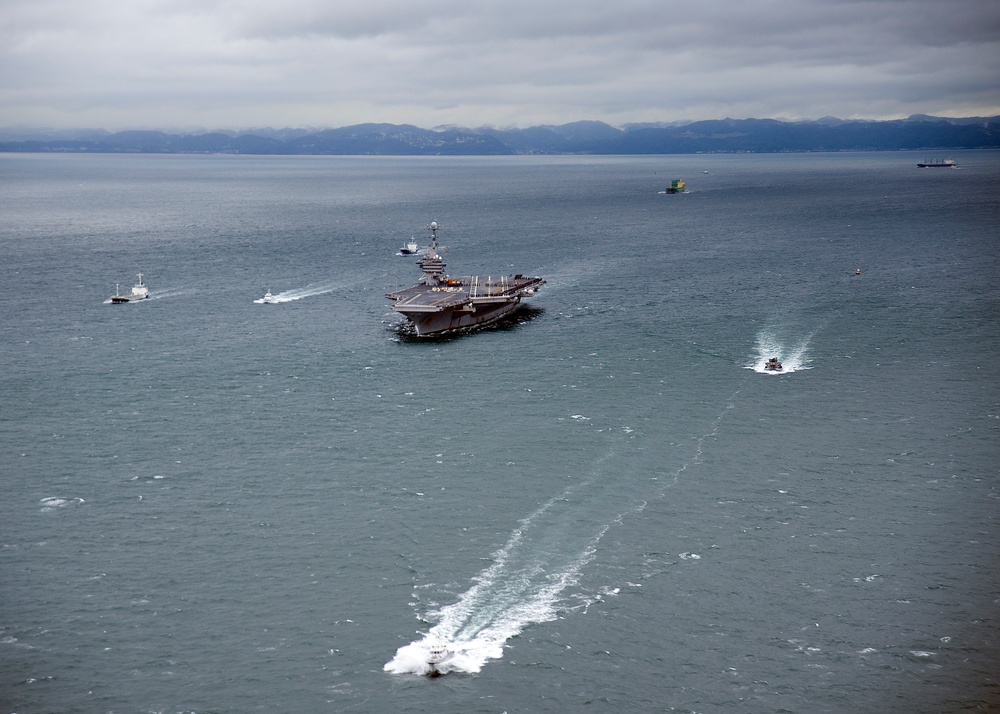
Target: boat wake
(159,295)
(310,290)
(792,354)
(523,585)
(568,275)
(53,502)
(533,577)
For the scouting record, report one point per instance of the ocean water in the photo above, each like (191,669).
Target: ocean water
(605,504)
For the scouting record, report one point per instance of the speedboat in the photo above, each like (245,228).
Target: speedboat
(437,654)
(773,365)
(268,299)
(139,292)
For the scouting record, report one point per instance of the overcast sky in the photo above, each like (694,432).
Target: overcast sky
(327,63)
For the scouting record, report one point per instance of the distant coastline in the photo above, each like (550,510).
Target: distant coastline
(916,133)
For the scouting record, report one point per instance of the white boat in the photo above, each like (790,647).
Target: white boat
(139,292)
(437,655)
(268,299)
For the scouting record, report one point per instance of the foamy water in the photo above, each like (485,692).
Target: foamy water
(522,586)
(299,293)
(169,293)
(531,578)
(53,502)
(792,352)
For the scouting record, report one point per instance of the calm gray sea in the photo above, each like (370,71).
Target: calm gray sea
(604,505)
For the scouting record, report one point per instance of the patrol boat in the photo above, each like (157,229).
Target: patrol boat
(438,654)
(442,303)
(268,299)
(139,292)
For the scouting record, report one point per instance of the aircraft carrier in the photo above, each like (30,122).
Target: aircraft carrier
(442,303)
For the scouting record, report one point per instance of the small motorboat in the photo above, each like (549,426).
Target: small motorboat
(139,292)
(268,299)
(437,654)
(773,365)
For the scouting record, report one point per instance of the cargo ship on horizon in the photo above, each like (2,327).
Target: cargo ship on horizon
(938,164)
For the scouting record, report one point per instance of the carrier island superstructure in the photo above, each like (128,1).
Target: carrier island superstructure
(442,303)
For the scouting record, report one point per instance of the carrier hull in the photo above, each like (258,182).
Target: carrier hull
(440,303)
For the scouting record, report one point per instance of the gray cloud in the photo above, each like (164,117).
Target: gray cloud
(244,63)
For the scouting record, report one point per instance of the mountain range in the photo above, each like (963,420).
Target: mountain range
(917,132)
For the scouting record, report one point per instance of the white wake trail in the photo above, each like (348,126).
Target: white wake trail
(522,586)
(531,576)
(311,290)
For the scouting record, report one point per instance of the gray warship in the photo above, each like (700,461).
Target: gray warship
(442,303)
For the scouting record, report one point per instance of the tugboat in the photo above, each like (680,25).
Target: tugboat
(442,303)
(773,365)
(139,292)
(412,248)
